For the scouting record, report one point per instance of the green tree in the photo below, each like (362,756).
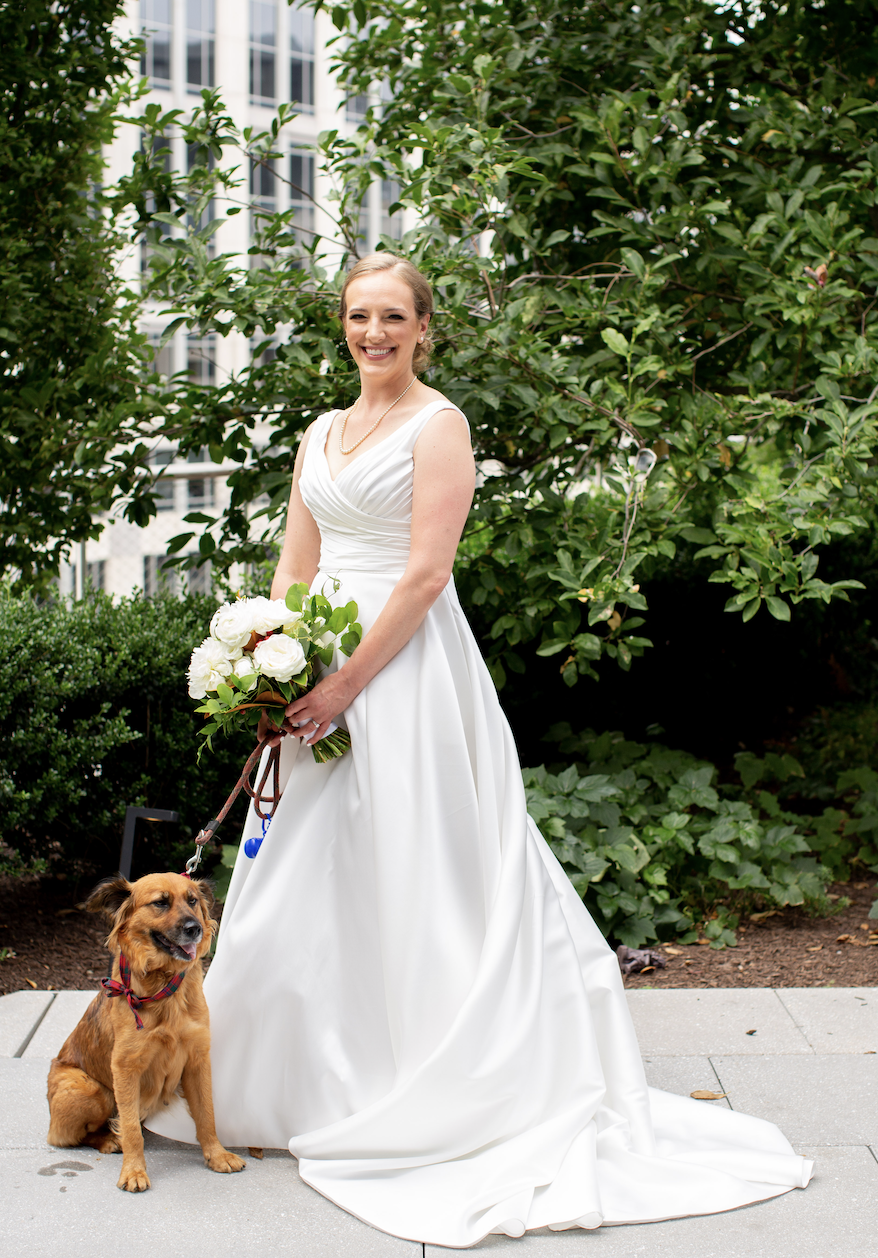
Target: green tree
(678,304)
(70,355)
(653,237)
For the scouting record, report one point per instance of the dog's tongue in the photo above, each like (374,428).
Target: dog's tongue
(189,949)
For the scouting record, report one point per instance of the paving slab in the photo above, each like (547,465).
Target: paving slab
(24,1109)
(834,1019)
(836,1216)
(60,1019)
(19,1014)
(683,1075)
(67,1203)
(681,1022)
(814,1100)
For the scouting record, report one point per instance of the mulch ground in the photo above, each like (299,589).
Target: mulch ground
(52,945)
(47,943)
(788,949)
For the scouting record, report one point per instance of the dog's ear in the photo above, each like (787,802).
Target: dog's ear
(109,896)
(205,892)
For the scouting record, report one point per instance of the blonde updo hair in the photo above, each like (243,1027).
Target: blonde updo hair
(421,292)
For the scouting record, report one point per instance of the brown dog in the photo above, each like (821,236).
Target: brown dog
(129,1055)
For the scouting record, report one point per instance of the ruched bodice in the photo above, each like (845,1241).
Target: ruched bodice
(407,991)
(365,514)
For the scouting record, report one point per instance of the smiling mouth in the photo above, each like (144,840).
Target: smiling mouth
(378,353)
(178,951)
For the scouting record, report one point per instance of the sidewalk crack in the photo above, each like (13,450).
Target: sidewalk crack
(36,1026)
(792,1019)
(722,1087)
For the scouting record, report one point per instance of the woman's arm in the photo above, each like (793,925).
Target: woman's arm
(444,481)
(300,556)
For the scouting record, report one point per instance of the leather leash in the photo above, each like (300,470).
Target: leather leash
(257,794)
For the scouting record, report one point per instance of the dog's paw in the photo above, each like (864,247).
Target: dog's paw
(222,1161)
(256,1153)
(133,1179)
(108,1144)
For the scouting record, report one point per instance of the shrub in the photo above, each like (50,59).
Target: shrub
(95,716)
(656,849)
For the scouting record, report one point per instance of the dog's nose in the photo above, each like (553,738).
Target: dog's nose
(191,928)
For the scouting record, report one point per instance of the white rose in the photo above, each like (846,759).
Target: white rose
(279,657)
(272,613)
(245,671)
(232,624)
(208,666)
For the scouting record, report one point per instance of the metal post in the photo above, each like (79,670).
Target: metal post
(131,818)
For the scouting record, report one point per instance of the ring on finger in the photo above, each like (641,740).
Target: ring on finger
(316,724)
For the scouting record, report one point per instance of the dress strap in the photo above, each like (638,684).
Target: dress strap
(414,430)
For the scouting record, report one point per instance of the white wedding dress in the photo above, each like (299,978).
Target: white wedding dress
(407,991)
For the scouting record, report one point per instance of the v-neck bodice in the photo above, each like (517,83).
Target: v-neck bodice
(365,514)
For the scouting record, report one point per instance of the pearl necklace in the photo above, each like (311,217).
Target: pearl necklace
(344,422)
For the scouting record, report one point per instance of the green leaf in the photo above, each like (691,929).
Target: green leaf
(633,260)
(295,596)
(692,534)
(615,341)
(349,643)
(778,608)
(553,646)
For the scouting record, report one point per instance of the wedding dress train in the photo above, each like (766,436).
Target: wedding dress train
(407,991)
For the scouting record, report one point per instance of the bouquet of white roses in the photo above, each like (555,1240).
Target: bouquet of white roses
(261,654)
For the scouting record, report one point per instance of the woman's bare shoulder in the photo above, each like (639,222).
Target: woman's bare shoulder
(448,411)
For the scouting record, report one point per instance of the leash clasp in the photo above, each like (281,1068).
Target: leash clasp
(202,837)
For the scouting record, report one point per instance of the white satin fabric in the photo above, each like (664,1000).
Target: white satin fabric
(407,991)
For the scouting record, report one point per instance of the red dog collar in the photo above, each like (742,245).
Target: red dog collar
(113,987)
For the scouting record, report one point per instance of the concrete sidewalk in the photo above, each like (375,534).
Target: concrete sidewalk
(805,1058)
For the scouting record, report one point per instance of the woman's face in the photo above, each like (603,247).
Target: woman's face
(381,327)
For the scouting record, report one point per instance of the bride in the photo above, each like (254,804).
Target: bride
(408,993)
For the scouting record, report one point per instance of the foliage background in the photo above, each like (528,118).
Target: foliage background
(651,230)
(94,717)
(653,236)
(71,358)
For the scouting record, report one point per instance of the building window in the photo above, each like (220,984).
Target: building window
(162,150)
(391,224)
(156,29)
(162,359)
(200,579)
(200,493)
(355,108)
(263,190)
(269,352)
(158,578)
(200,30)
(164,486)
(302,195)
(199,159)
(199,489)
(96,574)
(201,364)
(302,59)
(263,51)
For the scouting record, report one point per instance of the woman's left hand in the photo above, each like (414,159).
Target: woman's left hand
(310,717)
